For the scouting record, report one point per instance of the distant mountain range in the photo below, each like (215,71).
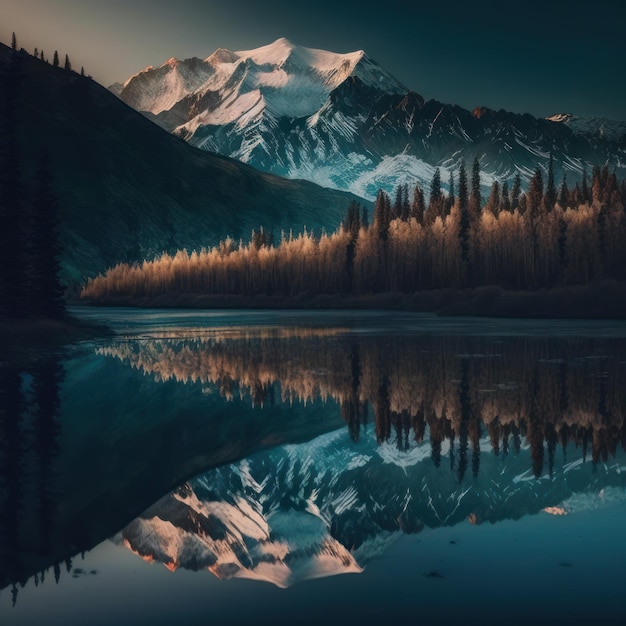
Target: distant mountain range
(341,120)
(128,190)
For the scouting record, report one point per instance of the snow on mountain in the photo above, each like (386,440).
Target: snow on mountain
(158,89)
(328,506)
(343,121)
(593,127)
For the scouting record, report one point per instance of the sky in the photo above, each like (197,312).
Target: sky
(539,57)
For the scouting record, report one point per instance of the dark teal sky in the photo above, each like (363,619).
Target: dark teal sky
(540,57)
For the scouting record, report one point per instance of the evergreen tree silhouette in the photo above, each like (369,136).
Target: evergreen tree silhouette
(476,201)
(466,415)
(515,191)
(46,292)
(550,195)
(12,448)
(435,201)
(12,236)
(48,375)
(418,205)
(465,223)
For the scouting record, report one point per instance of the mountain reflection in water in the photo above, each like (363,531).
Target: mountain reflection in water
(476,429)
(438,430)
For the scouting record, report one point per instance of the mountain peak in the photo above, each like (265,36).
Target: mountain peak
(478,112)
(560,117)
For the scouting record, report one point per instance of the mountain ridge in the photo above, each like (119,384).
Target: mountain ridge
(127,190)
(356,116)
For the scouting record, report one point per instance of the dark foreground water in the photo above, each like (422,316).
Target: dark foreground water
(278,468)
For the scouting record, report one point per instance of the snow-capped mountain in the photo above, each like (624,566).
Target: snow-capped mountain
(343,121)
(328,506)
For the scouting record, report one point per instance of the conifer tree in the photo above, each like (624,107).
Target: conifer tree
(463,193)
(68,65)
(464,226)
(13,42)
(584,188)
(46,292)
(396,210)
(515,191)
(550,195)
(435,201)
(564,193)
(418,205)
(405,208)
(55,59)
(36,53)
(451,198)
(493,204)
(382,214)
(12,234)
(596,184)
(476,201)
(505,201)
(535,195)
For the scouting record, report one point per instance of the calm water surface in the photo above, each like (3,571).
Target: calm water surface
(337,467)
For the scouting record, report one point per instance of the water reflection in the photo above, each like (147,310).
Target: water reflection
(549,392)
(328,507)
(514,419)
(29,431)
(437,430)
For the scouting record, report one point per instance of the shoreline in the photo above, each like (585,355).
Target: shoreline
(602,299)
(20,337)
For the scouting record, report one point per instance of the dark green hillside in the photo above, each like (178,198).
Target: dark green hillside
(129,190)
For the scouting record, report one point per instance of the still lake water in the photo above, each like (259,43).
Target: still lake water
(335,467)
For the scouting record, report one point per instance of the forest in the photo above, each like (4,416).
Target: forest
(544,237)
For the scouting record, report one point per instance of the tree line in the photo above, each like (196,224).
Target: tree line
(39,53)
(521,240)
(29,218)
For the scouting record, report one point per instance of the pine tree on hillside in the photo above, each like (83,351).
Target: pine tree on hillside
(13,42)
(45,290)
(55,59)
(11,205)
(67,65)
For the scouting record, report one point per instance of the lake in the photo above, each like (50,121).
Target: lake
(304,467)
